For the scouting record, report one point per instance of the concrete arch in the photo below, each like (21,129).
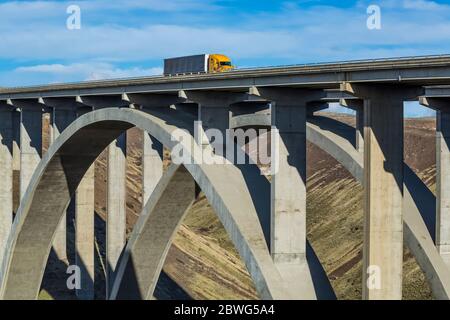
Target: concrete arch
(60,171)
(144,255)
(418,201)
(335,138)
(145,252)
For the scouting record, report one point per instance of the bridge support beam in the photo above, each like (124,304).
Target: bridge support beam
(443,184)
(85,229)
(16,159)
(85,234)
(152,165)
(61,119)
(359,144)
(6,175)
(64,113)
(116,200)
(288,186)
(116,206)
(442,107)
(383,186)
(16,140)
(30,143)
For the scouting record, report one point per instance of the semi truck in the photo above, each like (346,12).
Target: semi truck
(202,63)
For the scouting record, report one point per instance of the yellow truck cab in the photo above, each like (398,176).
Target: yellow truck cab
(219,63)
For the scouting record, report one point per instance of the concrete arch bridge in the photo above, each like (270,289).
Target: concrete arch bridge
(266,220)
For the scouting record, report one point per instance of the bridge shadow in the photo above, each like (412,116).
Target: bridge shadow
(335,126)
(423,198)
(166,288)
(54,280)
(322,285)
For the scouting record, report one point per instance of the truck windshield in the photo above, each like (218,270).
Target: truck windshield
(227,63)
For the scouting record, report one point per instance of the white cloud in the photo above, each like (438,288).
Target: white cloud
(102,5)
(422,5)
(85,71)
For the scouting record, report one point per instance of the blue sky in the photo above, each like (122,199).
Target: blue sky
(126,38)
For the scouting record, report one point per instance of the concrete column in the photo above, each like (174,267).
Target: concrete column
(61,119)
(288,187)
(16,159)
(443,184)
(116,206)
(383,186)
(6,176)
(359,139)
(30,145)
(16,140)
(84,234)
(85,229)
(152,165)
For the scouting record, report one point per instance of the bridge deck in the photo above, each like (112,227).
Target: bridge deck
(428,70)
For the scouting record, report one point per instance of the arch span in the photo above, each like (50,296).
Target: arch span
(142,260)
(146,250)
(335,138)
(419,203)
(63,166)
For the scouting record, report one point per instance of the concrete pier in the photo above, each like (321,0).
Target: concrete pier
(289,109)
(85,229)
(16,140)
(443,183)
(61,119)
(383,185)
(360,129)
(288,187)
(383,188)
(85,235)
(116,205)
(152,165)
(16,159)
(6,175)
(30,144)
